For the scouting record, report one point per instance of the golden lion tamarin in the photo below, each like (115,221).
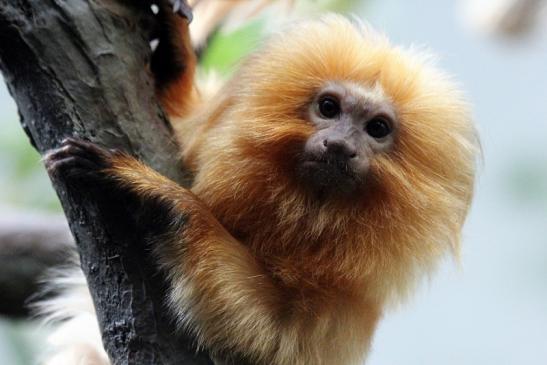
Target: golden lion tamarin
(332,171)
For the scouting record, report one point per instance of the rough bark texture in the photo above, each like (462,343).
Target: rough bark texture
(78,67)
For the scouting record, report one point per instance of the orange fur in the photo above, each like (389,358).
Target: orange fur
(263,270)
(179,96)
(406,218)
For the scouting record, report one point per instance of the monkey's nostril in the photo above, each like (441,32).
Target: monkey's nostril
(353,155)
(325,143)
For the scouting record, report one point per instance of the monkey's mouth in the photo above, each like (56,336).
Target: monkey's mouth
(328,176)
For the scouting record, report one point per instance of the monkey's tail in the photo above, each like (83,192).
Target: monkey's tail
(76,338)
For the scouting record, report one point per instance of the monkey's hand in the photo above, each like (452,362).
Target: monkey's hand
(78,158)
(182,8)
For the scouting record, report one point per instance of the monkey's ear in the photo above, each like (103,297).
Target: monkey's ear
(182,8)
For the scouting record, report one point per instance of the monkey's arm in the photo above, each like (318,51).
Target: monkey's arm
(218,290)
(173,61)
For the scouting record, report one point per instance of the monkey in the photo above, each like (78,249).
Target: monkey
(332,171)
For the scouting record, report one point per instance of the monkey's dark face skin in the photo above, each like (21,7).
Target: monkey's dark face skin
(353,124)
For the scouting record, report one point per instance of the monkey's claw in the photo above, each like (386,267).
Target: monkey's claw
(182,8)
(77,157)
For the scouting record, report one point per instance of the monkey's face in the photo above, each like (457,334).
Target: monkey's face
(352,125)
(336,109)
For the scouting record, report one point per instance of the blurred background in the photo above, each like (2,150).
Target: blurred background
(491,308)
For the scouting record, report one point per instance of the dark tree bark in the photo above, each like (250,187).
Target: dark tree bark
(78,67)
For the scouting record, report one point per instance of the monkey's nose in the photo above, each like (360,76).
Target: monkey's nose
(339,149)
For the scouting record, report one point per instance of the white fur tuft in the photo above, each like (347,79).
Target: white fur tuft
(76,339)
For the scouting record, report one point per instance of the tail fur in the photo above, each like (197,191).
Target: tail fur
(76,339)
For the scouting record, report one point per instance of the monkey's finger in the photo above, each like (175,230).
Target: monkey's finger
(86,149)
(91,156)
(71,166)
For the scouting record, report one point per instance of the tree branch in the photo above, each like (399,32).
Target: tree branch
(30,244)
(78,67)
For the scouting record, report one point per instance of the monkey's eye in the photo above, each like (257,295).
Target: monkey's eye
(378,128)
(329,107)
